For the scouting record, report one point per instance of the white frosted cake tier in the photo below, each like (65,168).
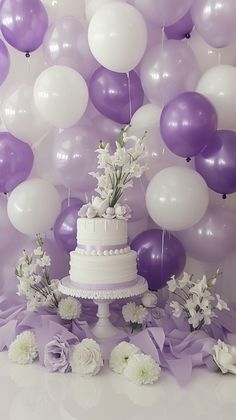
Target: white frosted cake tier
(101,272)
(100,232)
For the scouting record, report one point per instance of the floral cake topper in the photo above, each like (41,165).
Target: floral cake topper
(116,172)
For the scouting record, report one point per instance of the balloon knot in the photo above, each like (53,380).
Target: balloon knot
(27,54)
(188,159)
(187,36)
(224,196)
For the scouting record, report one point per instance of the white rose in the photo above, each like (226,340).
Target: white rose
(120,211)
(149,300)
(100,205)
(86,358)
(225,357)
(91,212)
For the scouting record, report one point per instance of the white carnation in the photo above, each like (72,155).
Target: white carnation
(136,314)
(69,308)
(142,369)
(86,358)
(23,349)
(121,355)
(225,357)
(149,300)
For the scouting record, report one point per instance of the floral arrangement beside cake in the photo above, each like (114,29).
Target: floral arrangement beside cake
(193,327)
(103,259)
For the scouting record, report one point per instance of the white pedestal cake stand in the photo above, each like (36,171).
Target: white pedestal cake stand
(103,328)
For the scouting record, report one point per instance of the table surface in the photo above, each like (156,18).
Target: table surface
(31,393)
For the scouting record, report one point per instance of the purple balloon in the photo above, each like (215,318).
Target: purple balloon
(115,95)
(65,228)
(159,256)
(66,43)
(16,161)
(217,162)
(4,62)
(23,23)
(181,28)
(213,238)
(187,123)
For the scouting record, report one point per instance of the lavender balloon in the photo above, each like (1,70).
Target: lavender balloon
(217,162)
(23,23)
(16,161)
(163,12)
(4,62)
(187,124)
(215,21)
(74,157)
(168,70)
(114,95)
(213,238)
(180,29)
(66,43)
(65,227)
(159,256)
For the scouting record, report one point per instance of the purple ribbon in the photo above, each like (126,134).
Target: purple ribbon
(99,286)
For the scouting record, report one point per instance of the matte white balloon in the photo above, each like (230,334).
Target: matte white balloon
(177,198)
(33,206)
(117,36)
(218,84)
(21,116)
(61,96)
(92,6)
(146,117)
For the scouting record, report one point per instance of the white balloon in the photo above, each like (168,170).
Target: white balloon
(33,206)
(59,8)
(21,116)
(117,36)
(43,161)
(146,117)
(208,56)
(61,96)
(92,6)
(177,198)
(218,84)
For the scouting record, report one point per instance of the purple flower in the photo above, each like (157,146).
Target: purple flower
(57,355)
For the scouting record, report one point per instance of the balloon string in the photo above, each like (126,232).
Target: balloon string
(219,58)
(162,252)
(28,64)
(68,197)
(162,37)
(129,93)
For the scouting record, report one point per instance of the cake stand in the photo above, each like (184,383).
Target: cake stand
(102,298)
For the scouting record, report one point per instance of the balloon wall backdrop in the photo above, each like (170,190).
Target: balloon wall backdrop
(74,72)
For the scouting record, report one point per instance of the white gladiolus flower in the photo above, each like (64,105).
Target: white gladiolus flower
(172,284)
(136,314)
(44,261)
(121,355)
(142,369)
(69,308)
(225,357)
(23,349)
(38,251)
(149,300)
(86,358)
(184,281)
(221,304)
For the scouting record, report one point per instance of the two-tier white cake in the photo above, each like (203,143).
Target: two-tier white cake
(102,259)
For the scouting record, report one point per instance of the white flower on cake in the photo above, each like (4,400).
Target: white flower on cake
(115,173)
(149,300)
(69,308)
(121,355)
(195,299)
(224,356)
(23,349)
(142,369)
(86,358)
(133,313)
